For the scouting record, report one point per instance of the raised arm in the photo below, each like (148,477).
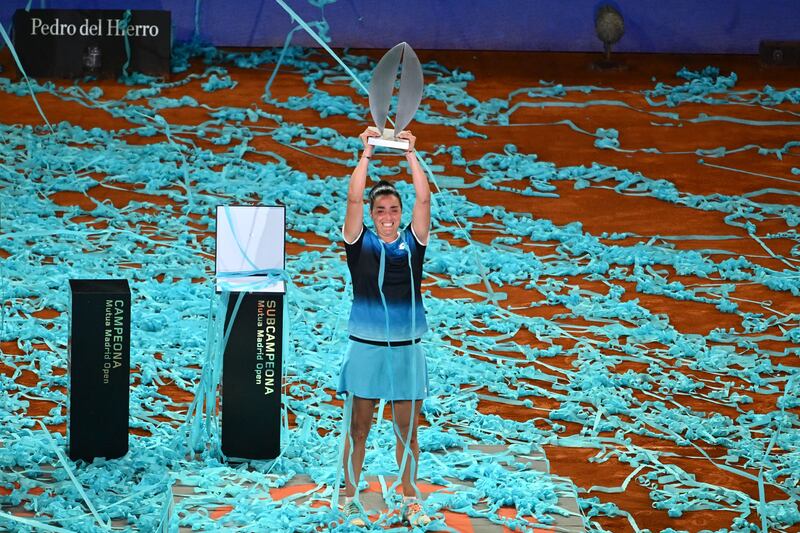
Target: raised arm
(421,215)
(354,215)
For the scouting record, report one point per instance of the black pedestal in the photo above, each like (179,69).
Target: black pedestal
(251,377)
(99,368)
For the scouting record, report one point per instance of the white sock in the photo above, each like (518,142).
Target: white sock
(347,499)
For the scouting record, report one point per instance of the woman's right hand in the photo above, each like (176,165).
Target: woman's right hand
(369,132)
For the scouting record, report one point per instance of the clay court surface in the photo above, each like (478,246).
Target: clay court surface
(586,451)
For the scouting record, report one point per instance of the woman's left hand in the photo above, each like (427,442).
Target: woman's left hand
(407,135)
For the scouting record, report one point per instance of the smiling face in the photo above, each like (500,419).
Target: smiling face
(386,212)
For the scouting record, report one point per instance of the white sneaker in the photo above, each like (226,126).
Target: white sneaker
(354,514)
(414,515)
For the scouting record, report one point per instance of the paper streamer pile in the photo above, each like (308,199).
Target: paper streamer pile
(159,242)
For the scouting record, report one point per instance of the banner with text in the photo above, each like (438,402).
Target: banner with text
(72,43)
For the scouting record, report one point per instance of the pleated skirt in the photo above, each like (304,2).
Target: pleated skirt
(384,372)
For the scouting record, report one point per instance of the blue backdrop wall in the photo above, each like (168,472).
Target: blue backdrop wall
(714,26)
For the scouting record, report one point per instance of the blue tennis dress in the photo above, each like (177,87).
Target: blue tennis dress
(384,358)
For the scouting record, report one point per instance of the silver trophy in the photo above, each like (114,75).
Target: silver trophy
(409,95)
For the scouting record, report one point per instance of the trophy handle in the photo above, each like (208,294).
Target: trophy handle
(382,85)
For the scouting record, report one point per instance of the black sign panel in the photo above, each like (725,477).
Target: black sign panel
(99,368)
(72,43)
(251,377)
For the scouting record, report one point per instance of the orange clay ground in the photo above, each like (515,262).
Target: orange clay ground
(598,210)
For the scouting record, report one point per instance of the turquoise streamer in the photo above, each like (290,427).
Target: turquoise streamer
(727,366)
(126,18)
(71,475)
(32,523)
(322,43)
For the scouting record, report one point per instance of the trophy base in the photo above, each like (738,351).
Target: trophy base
(388,140)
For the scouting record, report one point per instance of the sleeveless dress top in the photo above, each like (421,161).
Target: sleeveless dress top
(387,304)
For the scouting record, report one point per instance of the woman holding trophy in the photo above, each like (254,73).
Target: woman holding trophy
(384,359)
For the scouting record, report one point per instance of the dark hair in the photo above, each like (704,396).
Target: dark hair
(383,188)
